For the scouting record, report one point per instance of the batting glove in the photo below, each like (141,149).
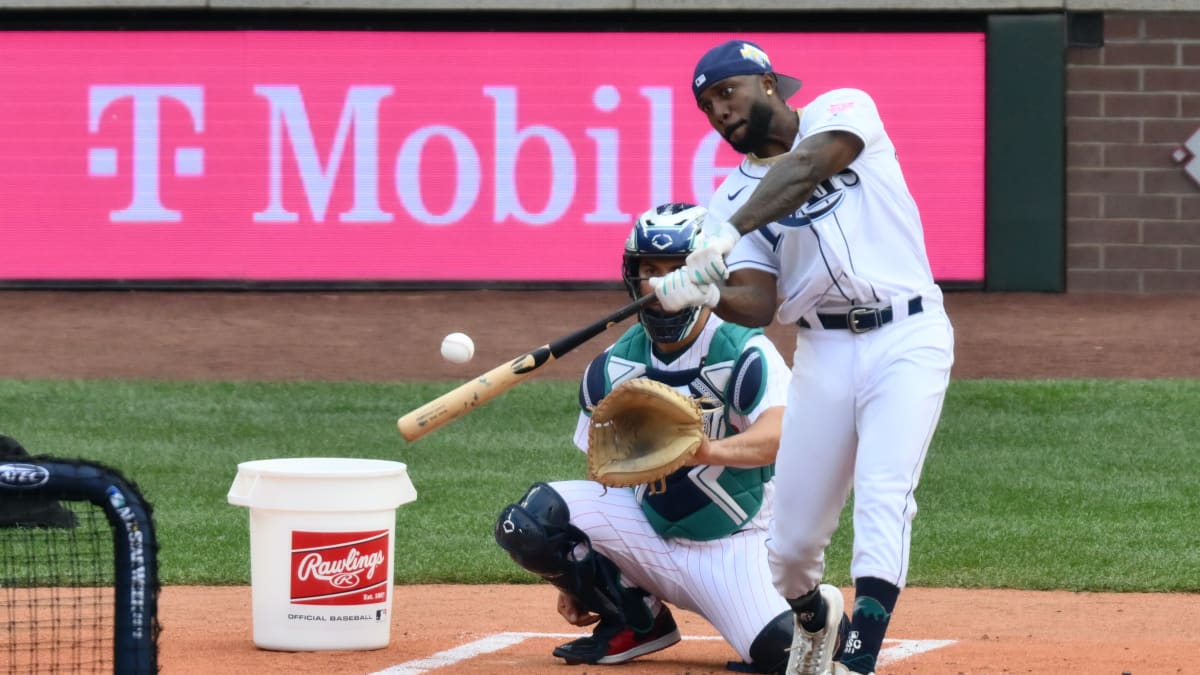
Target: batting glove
(707,262)
(679,289)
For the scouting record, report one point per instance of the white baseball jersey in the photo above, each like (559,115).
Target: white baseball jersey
(858,240)
(863,406)
(726,579)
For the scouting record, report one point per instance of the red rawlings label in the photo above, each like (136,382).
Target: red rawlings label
(339,568)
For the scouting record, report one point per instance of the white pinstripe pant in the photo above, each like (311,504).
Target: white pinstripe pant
(727,581)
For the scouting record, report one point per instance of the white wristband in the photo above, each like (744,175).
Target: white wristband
(724,236)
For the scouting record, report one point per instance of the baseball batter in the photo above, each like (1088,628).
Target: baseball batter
(818,224)
(618,554)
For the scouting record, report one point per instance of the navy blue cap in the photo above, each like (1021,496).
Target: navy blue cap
(737,57)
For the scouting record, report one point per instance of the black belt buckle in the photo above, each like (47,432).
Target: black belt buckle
(857,319)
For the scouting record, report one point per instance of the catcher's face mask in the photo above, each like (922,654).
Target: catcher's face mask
(668,231)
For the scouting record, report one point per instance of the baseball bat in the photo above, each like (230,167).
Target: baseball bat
(474,393)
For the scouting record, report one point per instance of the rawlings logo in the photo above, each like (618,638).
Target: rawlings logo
(339,568)
(340,573)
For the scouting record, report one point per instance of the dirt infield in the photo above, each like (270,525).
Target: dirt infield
(511,629)
(395,336)
(208,631)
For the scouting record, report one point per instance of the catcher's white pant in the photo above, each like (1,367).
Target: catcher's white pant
(727,580)
(862,410)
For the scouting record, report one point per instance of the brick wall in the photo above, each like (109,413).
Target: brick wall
(1133,212)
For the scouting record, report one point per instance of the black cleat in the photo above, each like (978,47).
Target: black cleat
(613,643)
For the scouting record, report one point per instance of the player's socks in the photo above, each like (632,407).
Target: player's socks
(874,600)
(810,610)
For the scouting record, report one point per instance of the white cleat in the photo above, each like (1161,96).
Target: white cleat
(812,653)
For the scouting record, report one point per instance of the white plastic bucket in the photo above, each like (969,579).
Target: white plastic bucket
(322,539)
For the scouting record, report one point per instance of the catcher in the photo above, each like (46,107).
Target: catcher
(695,539)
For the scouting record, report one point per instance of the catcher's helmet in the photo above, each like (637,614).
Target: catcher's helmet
(665,231)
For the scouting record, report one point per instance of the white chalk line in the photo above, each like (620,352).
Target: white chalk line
(893,651)
(902,649)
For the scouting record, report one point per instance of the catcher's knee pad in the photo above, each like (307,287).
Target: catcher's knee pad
(537,532)
(768,652)
(538,535)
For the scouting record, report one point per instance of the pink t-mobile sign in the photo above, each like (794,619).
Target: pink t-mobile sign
(395,156)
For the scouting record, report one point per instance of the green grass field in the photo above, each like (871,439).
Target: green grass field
(1078,485)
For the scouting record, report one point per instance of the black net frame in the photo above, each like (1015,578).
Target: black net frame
(67,486)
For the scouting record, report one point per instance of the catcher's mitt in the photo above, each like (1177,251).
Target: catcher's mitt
(642,432)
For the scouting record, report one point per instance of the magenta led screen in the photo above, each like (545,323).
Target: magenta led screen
(422,156)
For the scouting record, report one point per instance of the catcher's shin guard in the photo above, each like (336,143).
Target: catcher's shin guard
(538,535)
(769,651)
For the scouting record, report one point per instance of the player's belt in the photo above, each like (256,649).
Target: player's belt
(861,319)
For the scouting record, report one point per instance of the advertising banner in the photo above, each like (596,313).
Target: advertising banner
(420,156)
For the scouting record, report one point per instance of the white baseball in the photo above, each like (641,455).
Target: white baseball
(458,348)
